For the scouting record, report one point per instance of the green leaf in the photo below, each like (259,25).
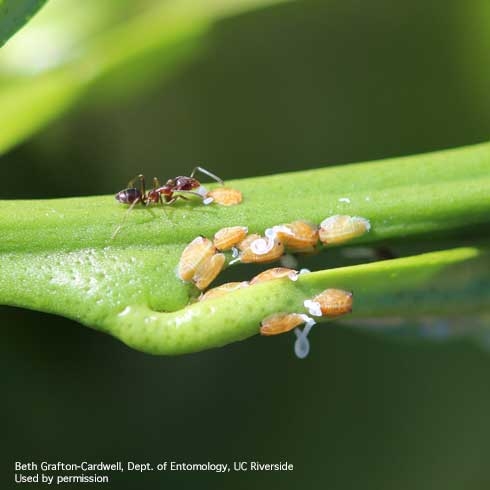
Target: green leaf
(145,47)
(14,14)
(58,255)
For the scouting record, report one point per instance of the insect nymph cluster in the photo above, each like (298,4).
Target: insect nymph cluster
(203,259)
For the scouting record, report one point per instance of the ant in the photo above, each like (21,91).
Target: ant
(163,194)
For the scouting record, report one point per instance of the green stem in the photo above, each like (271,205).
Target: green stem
(57,255)
(391,287)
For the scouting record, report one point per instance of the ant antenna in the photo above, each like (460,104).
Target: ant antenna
(208,173)
(156,185)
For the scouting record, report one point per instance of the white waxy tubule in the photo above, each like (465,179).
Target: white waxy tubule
(259,249)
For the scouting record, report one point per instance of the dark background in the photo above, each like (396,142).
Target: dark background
(286,88)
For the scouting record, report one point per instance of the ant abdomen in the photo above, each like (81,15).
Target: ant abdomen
(128,196)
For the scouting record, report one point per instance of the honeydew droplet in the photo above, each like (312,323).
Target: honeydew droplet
(201,190)
(270,233)
(313,307)
(302,345)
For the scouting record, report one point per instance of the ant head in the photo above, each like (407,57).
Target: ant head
(184,183)
(194,183)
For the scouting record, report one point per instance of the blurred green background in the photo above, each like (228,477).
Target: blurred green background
(288,87)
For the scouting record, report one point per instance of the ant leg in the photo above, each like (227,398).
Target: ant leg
(170,201)
(141,179)
(205,200)
(118,228)
(206,172)
(153,194)
(166,203)
(189,192)
(163,204)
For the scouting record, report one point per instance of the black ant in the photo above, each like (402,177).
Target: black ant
(163,194)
